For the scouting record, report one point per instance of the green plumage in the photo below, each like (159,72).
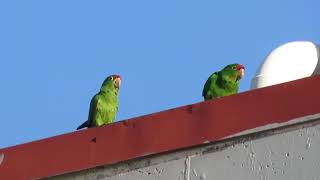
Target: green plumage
(224,82)
(104,105)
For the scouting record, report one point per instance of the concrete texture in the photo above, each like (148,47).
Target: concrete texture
(286,153)
(162,171)
(289,156)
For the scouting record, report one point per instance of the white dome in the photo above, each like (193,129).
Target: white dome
(288,62)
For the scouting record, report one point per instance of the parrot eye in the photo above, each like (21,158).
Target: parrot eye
(111,77)
(234,67)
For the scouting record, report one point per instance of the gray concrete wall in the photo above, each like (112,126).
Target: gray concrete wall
(286,152)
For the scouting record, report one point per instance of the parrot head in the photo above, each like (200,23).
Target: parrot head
(112,81)
(236,69)
(116,81)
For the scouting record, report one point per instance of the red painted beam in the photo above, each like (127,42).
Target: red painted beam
(160,132)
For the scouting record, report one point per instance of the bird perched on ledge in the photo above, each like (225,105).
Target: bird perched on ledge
(104,105)
(224,82)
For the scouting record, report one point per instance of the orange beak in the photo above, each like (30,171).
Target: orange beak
(240,69)
(117,83)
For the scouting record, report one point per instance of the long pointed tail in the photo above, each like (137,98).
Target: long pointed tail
(83,125)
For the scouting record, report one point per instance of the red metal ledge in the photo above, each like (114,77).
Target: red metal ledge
(160,132)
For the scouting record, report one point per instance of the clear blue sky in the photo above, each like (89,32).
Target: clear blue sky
(56,53)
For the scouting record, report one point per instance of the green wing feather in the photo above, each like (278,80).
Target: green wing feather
(103,109)
(206,93)
(96,111)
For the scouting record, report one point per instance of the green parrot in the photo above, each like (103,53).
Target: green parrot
(104,105)
(224,82)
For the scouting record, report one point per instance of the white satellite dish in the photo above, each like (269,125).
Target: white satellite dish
(288,62)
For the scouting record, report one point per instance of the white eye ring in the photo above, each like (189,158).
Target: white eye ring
(234,67)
